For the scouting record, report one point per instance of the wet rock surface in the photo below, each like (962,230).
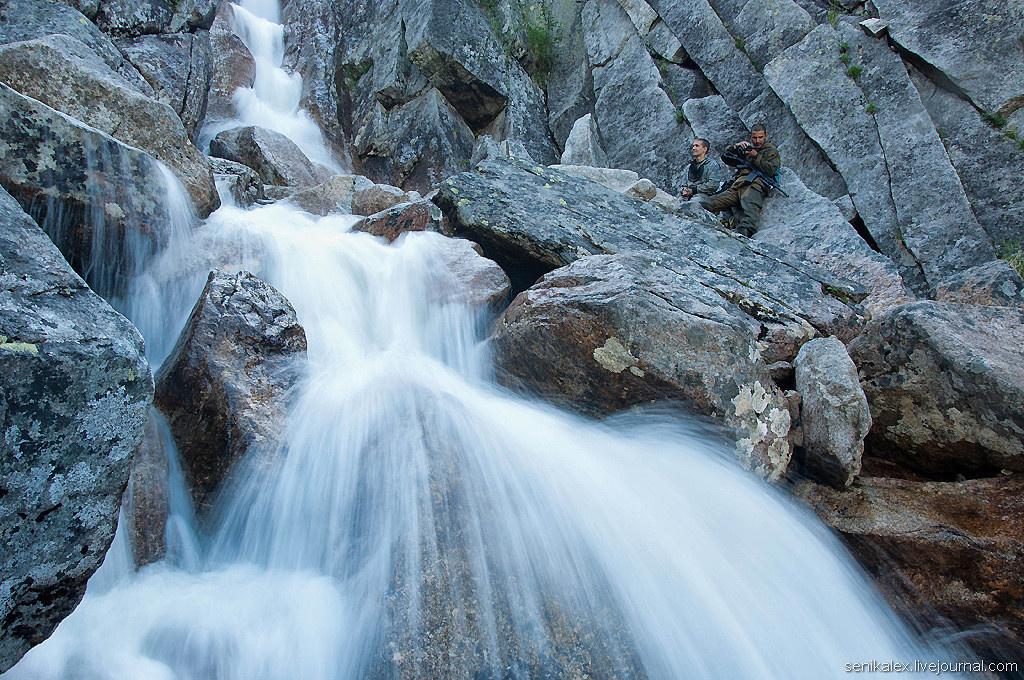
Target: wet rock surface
(225,387)
(66,75)
(945,388)
(76,389)
(103,203)
(274,157)
(390,223)
(944,554)
(241,181)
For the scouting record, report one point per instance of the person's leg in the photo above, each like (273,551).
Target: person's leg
(721,201)
(751,199)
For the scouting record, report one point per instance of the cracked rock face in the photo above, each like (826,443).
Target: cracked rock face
(76,390)
(945,387)
(974,43)
(613,331)
(900,177)
(224,388)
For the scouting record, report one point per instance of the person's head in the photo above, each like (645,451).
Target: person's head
(758,135)
(700,148)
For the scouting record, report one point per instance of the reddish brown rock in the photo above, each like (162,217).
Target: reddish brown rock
(224,387)
(938,550)
(417,216)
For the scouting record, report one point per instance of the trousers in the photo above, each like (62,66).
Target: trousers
(749,198)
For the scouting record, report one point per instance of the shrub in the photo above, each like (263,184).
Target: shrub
(845,58)
(679,116)
(854,71)
(871,108)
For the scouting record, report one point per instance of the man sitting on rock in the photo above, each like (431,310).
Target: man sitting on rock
(748,192)
(704,175)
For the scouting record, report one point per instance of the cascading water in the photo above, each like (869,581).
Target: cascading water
(273,100)
(418,522)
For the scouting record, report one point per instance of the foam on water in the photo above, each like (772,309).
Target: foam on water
(420,522)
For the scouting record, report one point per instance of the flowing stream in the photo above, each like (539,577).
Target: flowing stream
(419,522)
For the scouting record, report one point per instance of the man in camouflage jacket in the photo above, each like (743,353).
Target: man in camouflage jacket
(747,193)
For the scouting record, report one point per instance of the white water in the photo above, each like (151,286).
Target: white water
(273,100)
(412,495)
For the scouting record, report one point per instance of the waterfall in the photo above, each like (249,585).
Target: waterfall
(420,522)
(273,100)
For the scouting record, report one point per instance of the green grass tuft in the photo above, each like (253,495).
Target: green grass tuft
(1014,254)
(854,71)
(871,108)
(995,120)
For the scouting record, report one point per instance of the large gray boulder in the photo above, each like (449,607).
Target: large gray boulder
(225,386)
(66,75)
(76,389)
(609,332)
(989,163)
(900,177)
(531,220)
(939,552)
(30,19)
(637,120)
(583,145)
(975,44)
(105,204)
(945,387)
(715,51)
(178,67)
(834,412)
(810,228)
(274,157)
(415,145)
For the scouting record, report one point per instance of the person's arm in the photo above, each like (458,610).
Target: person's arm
(768,162)
(713,177)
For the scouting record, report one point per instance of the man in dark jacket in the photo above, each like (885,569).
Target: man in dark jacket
(704,175)
(746,192)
